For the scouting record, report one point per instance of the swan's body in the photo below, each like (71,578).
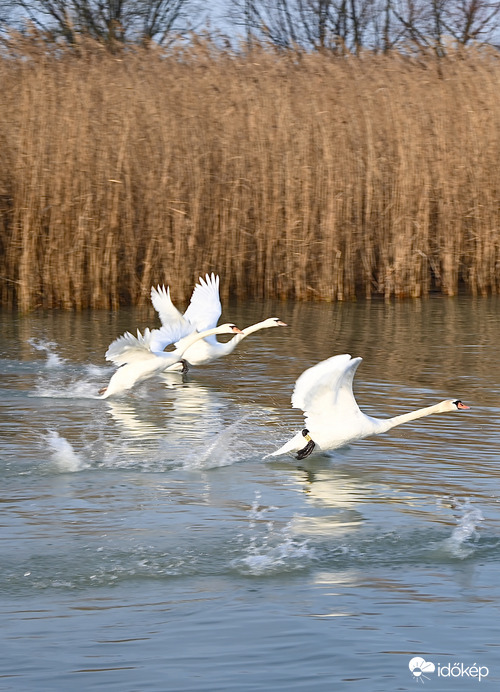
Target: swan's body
(332,416)
(140,360)
(203,312)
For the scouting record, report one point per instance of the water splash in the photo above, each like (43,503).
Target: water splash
(84,386)
(49,348)
(462,541)
(77,389)
(227,447)
(275,550)
(63,454)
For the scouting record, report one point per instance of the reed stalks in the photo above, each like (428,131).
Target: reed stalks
(304,177)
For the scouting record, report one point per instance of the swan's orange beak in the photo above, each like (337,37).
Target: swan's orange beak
(236,329)
(280,323)
(462,407)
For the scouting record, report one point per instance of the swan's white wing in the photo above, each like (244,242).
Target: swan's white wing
(325,390)
(130,349)
(159,339)
(205,307)
(174,325)
(162,303)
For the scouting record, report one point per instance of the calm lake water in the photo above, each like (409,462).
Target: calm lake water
(147,544)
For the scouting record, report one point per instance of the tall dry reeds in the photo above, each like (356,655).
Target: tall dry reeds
(311,178)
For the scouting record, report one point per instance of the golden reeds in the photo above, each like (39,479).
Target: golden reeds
(310,178)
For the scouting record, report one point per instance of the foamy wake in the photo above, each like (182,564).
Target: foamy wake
(84,385)
(53,360)
(79,389)
(462,541)
(62,454)
(274,550)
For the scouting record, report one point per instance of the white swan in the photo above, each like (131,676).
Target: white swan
(203,312)
(332,416)
(140,360)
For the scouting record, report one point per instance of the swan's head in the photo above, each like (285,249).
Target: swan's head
(228,329)
(273,322)
(454,405)
(459,406)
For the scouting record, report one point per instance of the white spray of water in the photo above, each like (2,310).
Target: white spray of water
(274,550)
(80,389)
(461,542)
(227,447)
(63,454)
(53,359)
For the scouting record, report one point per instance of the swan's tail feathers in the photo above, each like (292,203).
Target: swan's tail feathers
(308,449)
(181,366)
(176,367)
(290,447)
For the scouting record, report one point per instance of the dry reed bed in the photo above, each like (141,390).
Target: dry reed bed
(310,178)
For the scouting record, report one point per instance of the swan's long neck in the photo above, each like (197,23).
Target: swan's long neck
(187,341)
(253,328)
(230,345)
(413,415)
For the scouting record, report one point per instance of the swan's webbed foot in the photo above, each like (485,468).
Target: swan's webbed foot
(103,390)
(185,366)
(308,449)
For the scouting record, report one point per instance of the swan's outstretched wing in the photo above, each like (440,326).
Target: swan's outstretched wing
(162,303)
(130,349)
(205,307)
(325,390)
(173,323)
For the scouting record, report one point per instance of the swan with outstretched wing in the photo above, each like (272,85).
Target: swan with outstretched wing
(203,312)
(333,418)
(139,359)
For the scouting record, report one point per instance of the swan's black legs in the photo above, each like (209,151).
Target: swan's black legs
(185,366)
(305,451)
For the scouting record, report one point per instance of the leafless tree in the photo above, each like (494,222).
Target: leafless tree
(274,21)
(375,24)
(434,22)
(306,24)
(109,21)
(470,20)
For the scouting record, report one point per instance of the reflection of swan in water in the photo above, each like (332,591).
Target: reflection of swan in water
(332,416)
(192,409)
(195,428)
(140,358)
(203,312)
(126,413)
(336,499)
(200,407)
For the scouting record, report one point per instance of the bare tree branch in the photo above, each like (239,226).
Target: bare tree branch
(110,21)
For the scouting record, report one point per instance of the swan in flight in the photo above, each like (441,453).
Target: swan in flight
(203,312)
(140,359)
(332,416)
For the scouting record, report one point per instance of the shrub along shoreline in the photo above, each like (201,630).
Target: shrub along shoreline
(308,177)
